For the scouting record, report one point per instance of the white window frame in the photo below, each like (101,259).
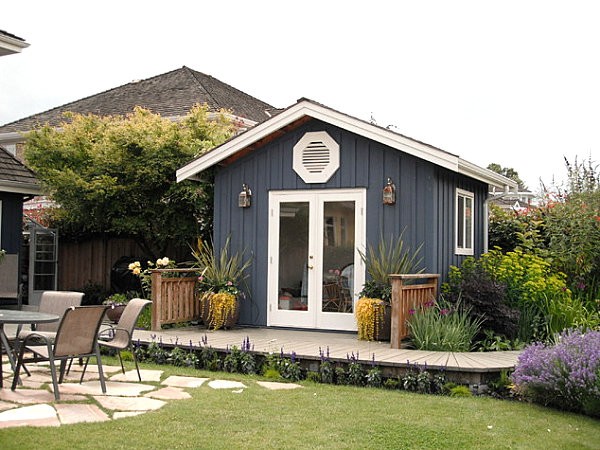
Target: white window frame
(463,220)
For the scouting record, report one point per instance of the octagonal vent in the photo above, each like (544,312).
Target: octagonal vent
(316,157)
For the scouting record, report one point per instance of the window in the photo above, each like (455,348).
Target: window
(464,222)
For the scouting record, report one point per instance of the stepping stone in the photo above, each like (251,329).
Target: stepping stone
(93,368)
(37,415)
(26,396)
(129,403)
(122,414)
(5,405)
(131,375)
(75,413)
(185,382)
(274,386)
(112,388)
(169,393)
(226,384)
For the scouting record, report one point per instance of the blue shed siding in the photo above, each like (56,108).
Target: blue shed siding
(12,222)
(425,196)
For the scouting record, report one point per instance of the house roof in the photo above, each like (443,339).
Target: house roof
(9,43)
(15,177)
(305,108)
(171,94)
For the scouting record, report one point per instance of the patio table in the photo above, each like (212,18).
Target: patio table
(18,317)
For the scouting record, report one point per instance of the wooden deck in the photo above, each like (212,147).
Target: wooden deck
(472,368)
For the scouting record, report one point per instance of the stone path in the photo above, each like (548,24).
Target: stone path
(33,403)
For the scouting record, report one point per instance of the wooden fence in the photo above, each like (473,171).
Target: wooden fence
(409,292)
(173,298)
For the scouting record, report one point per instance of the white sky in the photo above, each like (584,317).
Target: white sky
(512,82)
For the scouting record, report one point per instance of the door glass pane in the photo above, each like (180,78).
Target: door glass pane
(293,256)
(338,256)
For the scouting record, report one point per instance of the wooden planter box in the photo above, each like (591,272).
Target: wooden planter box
(409,292)
(173,299)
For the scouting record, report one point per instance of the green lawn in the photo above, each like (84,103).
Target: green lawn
(320,416)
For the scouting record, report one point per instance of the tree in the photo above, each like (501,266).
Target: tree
(508,172)
(116,175)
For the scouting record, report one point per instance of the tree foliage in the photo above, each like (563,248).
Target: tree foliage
(508,172)
(116,174)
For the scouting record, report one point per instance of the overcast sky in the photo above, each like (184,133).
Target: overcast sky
(511,82)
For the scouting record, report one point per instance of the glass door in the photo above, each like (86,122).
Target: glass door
(314,236)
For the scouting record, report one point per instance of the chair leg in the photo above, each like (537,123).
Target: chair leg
(63,366)
(100,371)
(54,382)
(87,360)
(137,367)
(121,361)
(18,368)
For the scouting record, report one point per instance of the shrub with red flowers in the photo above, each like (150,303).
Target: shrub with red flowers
(565,375)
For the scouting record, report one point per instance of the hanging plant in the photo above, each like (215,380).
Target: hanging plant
(222,308)
(369,316)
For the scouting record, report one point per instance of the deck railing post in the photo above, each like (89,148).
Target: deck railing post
(409,291)
(156,297)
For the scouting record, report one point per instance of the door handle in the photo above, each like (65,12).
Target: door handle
(310,267)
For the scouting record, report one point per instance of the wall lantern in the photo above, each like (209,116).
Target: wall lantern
(389,193)
(245,197)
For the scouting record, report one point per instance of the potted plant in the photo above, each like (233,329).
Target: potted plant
(219,282)
(373,309)
(117,303)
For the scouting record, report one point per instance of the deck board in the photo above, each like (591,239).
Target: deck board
(309,344)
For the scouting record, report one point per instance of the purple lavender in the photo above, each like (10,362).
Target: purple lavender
(565,375)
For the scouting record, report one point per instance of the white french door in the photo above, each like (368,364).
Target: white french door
(315,271)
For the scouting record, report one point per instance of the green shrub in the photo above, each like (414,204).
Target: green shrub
(460,391)
(441,326)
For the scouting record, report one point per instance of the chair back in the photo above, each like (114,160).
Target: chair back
(78,330)
(56,302)
(126,324)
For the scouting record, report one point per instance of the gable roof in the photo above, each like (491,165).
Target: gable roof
(305,108)
(171,94)
(15,177)
(9,43)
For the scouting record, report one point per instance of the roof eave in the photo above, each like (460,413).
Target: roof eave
(493,179)
(317,111)
(11,45)
(16,187)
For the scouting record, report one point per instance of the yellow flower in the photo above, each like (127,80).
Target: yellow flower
(136,270)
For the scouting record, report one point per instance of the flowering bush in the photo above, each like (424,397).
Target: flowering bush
(369,317)
(145,274)
(565,375)
(441,326)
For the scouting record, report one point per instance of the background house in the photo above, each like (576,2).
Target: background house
(316,178)
(171,95)
(16,184)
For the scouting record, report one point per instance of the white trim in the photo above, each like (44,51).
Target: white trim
(10,45)
(329,146)
(308,108)
(20,188)
(467,195)
(314,317)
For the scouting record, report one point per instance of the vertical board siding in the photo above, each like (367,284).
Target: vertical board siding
(11,222)
(425,195)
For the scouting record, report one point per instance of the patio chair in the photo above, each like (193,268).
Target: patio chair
(120,336)
(77,337)
(51,302)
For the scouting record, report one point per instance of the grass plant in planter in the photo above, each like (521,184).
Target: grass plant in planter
(373,309)
(218,285)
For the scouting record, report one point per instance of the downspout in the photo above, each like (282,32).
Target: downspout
(486,216)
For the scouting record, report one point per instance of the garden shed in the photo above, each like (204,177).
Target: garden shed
(307,189)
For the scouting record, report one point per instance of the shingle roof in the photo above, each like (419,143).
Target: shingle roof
(171,94)
(13,173)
